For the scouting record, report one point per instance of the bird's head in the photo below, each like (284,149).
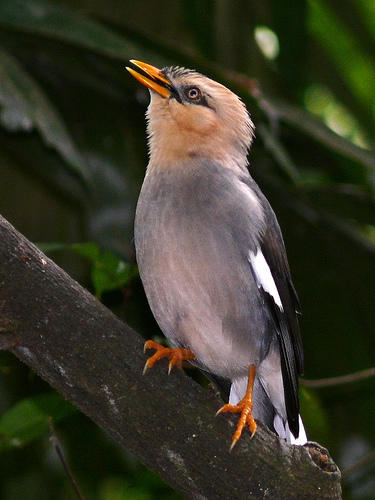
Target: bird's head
(192,116)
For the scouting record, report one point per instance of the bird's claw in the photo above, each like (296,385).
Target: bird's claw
(176,355)
(244,407)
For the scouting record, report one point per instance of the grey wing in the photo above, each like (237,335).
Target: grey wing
(283,305)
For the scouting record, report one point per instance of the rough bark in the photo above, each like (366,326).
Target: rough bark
(95,360)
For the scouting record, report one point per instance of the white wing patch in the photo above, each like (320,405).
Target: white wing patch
(263,276)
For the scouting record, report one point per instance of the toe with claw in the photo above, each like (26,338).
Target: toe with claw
(243,407)
(175,355)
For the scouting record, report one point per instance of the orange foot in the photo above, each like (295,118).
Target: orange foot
(244,407)
(176,356)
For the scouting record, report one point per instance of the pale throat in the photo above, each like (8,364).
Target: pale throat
(170,145)
(166,153)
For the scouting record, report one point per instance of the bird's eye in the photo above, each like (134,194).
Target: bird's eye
(193,93)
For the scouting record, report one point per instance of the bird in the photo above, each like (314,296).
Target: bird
(211,255)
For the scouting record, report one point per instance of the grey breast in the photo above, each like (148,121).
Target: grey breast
(194,230)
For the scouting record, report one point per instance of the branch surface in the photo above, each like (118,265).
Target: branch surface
(95,360)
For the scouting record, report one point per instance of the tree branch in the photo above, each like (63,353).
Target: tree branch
(95,360)
(342,379)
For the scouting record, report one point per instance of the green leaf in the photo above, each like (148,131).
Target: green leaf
(25,106)
(88,249)
(317,130)
(118,488)
(62,23)
(28,419)
(314,415)
(108,273)
(53,247)
(354,64)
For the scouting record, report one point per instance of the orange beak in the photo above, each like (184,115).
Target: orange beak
(152,78)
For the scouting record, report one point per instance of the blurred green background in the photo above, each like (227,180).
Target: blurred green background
(72,157)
